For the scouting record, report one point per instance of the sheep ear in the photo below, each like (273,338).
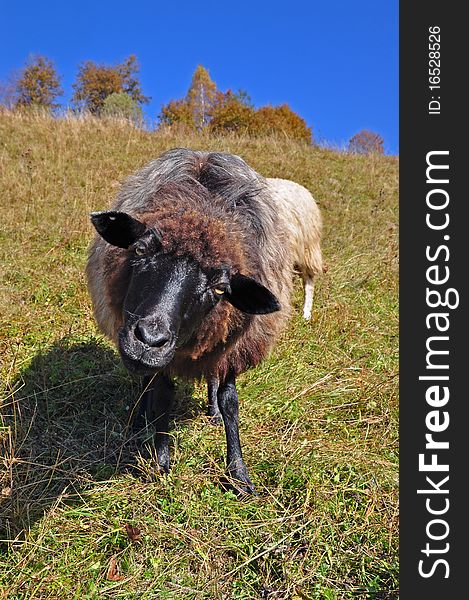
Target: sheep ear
(117,228)
(250,296)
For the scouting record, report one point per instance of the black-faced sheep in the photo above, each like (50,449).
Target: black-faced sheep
(190,275)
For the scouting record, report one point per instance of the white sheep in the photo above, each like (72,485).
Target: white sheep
(302,220)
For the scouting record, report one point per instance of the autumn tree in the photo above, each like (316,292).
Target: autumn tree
(130,83)
(232,111)
(366,142)
(179,113)
(38,84)
(195,110)
(281,120)
(201,96)
(95,83)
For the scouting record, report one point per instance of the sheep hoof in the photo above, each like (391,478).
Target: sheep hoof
(245,490)
(238,482)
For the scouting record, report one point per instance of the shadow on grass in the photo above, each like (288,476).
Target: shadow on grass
(67,425)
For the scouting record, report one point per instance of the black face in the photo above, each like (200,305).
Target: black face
(168,296)
(167,299)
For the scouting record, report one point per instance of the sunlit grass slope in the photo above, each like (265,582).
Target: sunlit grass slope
(80,514)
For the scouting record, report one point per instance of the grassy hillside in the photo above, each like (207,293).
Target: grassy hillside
(80,514)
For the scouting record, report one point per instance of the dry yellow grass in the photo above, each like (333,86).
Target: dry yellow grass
(318,419)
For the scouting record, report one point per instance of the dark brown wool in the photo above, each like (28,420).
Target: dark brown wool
(188,231)
(212,227)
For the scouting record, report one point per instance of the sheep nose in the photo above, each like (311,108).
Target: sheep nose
(151,335)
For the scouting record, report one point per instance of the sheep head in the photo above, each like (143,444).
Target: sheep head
(170,294)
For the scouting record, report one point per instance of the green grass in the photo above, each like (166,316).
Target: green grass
(318,419)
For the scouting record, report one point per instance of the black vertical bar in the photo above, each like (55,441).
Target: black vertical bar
(434,256)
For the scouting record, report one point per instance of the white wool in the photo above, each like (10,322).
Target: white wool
(302,220)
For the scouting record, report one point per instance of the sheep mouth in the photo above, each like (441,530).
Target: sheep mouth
(141,359)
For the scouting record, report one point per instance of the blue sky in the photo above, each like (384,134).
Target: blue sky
(335,62)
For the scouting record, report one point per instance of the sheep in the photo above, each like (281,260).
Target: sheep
(302,220)
(190,275)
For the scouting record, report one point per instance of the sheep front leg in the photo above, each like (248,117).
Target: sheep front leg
(213,409)
(236,469)
(154,408)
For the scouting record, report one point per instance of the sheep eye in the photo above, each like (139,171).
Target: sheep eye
(221,289)
(139,250)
